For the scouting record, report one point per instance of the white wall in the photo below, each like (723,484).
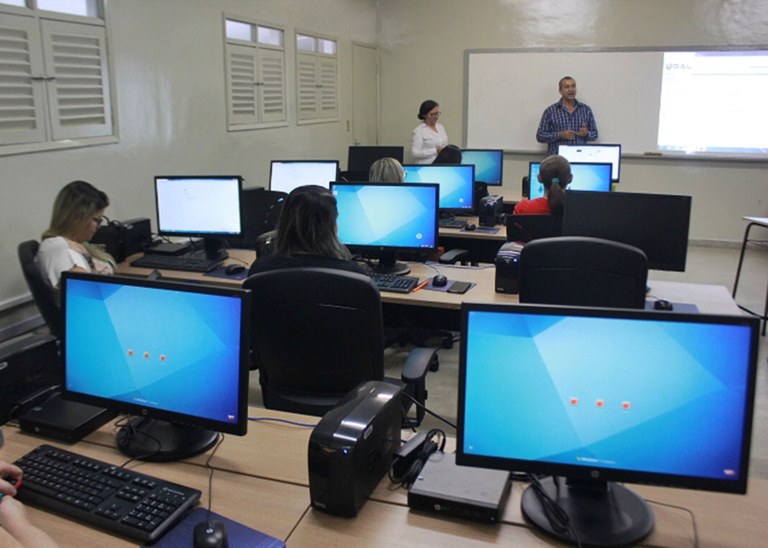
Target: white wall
(168,62)
(422,49)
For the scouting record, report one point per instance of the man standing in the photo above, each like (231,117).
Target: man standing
(568,121)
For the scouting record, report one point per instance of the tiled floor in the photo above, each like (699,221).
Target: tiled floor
(705,265)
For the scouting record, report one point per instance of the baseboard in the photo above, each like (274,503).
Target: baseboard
(723,244)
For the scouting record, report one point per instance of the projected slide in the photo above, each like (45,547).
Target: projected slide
(709,102)
(596,392)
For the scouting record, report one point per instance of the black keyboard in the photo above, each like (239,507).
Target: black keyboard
(121,501)
(451,222)
(177,262)
(391,282)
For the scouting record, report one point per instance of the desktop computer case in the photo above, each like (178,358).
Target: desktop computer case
(351,448)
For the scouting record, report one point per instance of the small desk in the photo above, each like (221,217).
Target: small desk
(761,222)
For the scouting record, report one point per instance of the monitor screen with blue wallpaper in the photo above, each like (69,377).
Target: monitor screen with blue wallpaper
(586,176)
(489,164)
(618,395)
(456,183)
(168,350)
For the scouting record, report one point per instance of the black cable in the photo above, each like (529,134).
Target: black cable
(219,440)
(556,516)
(128,432)
(682,509)
(433,442)
(424,407)
(286,421)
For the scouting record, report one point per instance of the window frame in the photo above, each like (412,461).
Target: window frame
(321,63)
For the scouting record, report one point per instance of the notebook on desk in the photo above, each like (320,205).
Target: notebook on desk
(238,535)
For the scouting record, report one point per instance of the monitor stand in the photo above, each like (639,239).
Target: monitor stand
(387,264)
(601,513)
(158,440)
(214,248)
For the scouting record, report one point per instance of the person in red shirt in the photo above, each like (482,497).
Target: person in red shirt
(555,175)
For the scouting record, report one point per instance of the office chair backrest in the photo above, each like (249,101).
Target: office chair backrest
(583,271)
(43,295)
(526,228)
(259,210)
(316,334)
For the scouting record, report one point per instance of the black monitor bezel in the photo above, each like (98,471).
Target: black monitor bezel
(596,473)
(501,163)
(377,250)
(238,428)
(615,179)
(199,233)
(466,210)
(374,152)
(664,252)
(319,183)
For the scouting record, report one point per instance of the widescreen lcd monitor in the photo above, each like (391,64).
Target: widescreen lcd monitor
(600,397)
(199,206)
(380,220)
(456,183)
(173,354)
(658,224)
(594,177)
(593,152)
(489,164)
(285,175)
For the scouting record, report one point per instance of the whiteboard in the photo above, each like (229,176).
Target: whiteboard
(507,91)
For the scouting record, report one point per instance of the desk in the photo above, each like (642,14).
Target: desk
(481,244)
(761,222)
(261,480)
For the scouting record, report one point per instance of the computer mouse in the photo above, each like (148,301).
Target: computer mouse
(439,281)
(234,269)
(661,304)
(210,534)
(469,227)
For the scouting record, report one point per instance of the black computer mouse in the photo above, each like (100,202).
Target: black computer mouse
(469,227)
(439,281)
(234,269)
(661,304)
(210,534)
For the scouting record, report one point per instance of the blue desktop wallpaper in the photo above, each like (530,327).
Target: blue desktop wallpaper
(165,349)
(585,177)
(386,215)
(488,164)
(651,396)
(456,182)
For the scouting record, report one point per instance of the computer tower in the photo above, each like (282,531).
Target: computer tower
(351,448)
(490,210)
(123,239)
(508,268)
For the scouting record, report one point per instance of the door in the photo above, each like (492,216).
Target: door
(365,94)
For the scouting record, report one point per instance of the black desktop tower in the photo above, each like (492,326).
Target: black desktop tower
(490,210)
(123,239)
(508,268)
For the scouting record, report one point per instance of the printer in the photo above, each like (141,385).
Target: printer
(351,447)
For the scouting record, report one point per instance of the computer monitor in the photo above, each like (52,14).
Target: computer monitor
(173,354)
(656,223)
(594,152)
(200,205)
(489,164)
(586,176)
(360,158)
(456,184)
(599,397)
(285,175)
(380,220)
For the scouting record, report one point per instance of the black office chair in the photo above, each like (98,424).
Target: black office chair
(526,228)
(259,210)
(582,271)
(317,333)
(44,297)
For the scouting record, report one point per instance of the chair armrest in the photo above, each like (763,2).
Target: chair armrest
(454,256)
(417,364)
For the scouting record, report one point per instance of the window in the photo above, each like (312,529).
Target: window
(54,78)
(316,78)
(255,75)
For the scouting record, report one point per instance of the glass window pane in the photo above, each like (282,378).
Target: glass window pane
(88,8)
(305,43)
(20,3)
(272,37)
(326,46)
(239,31)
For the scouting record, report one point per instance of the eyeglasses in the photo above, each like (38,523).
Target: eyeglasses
(434,113)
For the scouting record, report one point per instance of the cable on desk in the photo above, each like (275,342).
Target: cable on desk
(424,407)
(128,432)
(557,517)
(286,421)
(687,511)
(409,460)
(220,439)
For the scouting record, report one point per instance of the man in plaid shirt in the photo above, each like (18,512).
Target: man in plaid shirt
(568,121)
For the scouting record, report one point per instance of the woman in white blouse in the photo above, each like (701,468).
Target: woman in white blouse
(429,137)
(78,211)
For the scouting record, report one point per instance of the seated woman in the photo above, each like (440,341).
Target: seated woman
(555,175)
(306,234)
(78,212)
(386,170)
(450,154)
